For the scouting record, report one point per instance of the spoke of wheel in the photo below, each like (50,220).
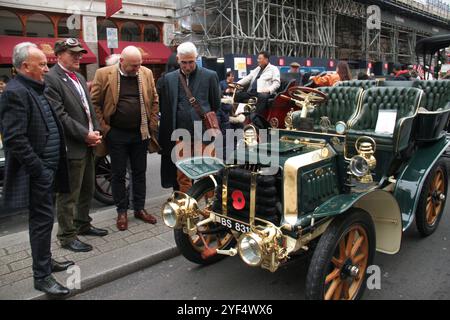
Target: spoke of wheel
(356,246)
(103,183)
(359,258)
(332,288)
(346,290)
(342,250)
(333,275)
(429,208)
(351,238)
(338,293)
(337,262)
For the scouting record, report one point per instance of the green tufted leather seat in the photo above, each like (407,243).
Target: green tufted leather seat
(432,122)
(405,100)
(437,93)
(341,105)
(365,84)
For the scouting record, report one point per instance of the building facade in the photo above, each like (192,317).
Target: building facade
(147,24)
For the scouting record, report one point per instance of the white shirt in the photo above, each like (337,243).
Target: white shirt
(268,81)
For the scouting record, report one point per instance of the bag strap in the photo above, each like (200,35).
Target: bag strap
(194,103)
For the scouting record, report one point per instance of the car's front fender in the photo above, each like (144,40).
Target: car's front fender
(196,168)
(382,207)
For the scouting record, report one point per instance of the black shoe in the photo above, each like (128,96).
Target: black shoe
(50,286)
(77,246)
(93,231)
(61,266)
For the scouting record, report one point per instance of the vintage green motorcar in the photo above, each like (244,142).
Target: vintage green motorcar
(372,161)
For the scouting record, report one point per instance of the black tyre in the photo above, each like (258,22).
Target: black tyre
(103,178)
(192,247)
(432,199)
(338,269)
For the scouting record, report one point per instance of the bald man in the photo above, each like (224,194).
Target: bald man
(126,103)
(68,92)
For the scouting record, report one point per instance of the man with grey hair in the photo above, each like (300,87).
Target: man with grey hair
(178,113)
(126,103)
(35,154)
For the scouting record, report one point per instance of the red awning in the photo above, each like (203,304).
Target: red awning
(152,52)
(45,44)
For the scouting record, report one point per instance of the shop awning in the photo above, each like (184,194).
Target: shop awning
(45,44)
(152,52)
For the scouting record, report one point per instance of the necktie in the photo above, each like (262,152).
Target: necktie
(72,75)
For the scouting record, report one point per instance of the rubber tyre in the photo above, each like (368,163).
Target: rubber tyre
(182,240)
(326,247)
(99,195)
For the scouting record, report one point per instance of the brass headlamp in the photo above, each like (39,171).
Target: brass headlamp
(362,164)
(178,210)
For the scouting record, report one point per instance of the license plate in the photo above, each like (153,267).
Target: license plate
(239,226)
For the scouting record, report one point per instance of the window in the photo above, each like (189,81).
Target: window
(39,25)
(10,24)
(101,28)
(151,33)
(64,31)
(130,32)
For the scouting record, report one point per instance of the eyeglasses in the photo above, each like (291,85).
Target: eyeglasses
(76,55)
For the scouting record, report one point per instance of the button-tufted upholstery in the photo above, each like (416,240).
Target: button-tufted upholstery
(365,84)
(437,93)
(405,100)
(341,105)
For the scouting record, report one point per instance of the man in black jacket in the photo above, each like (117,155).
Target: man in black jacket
(35,155)
(178,113)
(68,93)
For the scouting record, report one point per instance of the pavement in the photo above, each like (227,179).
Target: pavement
(118,254)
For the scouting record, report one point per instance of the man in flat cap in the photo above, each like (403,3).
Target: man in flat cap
(295,67)
(70,98)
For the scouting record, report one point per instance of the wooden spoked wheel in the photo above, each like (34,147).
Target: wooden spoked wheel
(338,268)
(436,197)
(202,240)
(349,266)
(431,204)
(201,247)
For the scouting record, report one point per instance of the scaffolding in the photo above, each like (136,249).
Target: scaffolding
(334,29)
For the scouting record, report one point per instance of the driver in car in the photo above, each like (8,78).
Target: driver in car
(263,83)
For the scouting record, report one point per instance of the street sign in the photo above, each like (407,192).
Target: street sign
(112,38)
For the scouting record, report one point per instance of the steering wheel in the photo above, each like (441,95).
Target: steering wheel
(306,94)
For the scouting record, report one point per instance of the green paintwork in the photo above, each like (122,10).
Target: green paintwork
(337,204)
(199,167)
(316,188)
(410,181)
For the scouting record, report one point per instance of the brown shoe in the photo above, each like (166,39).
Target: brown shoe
(122,221)
(145,216)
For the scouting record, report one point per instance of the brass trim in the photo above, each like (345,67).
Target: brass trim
(290,180)
(225,192)
(252,213)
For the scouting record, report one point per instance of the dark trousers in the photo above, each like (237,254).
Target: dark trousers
(41,218)
(73,208)
(261,104)
(124,145)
